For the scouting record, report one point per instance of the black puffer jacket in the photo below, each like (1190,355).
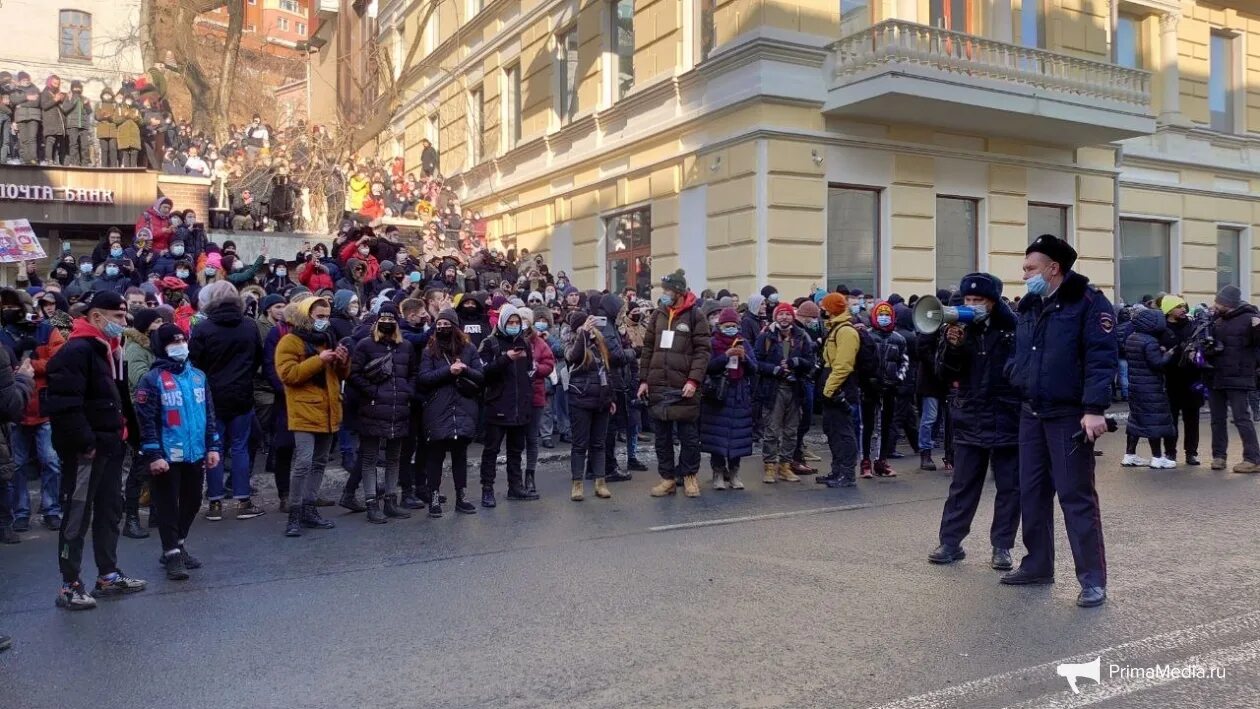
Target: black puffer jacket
(985,407)
(1150,416)
(509,388)
(449,414)
(590,382)
(623,369)
(227,347)
(84,400)
(1235,367)
(384,407)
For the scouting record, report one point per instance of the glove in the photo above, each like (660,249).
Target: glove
(795,363)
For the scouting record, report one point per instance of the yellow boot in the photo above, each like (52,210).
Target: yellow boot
(601,489)
(768,476)
(577,494)
(691,486)
(664,487)
(786,474)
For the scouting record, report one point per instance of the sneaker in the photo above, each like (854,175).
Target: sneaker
(735,482)
(1162,463)
(116,584)
(246,509)
(1192,459)
(1247,467)
(215,512)
(487,497)
(72,597)
(635,465)
(462,505)
(1132,460)
(719,481)
(190,561)
(867,473)
(176,570)
(1218,464)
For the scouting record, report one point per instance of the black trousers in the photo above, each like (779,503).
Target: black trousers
(28,142)
(1185,411)
(886,402)
(137,476)
(841,439)
(435,454)
(78,147)
(495,434)
(687,433)
(284,466)
(55,149)
(177,498)
(591,433)
(128,157)
(412,473)
(1238,403)
(971,465)
(91,500)
(109,152)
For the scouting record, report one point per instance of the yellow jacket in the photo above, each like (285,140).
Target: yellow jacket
(360,186)
(839,352)
(314,405)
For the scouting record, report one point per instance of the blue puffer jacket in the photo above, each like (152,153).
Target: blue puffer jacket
(1150,415)
(726,429)
(175,413)
(985,406)
(1065,350)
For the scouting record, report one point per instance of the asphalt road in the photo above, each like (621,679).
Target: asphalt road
(784,595)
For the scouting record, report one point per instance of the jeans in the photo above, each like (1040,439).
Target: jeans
(532,437)
(688,434)
(176,498)
(310,458)
(547,427)
(1123,377)
(927,422)
(634,424)
(91,501)
(1237,401)
(367,463)
(495,434)
(235,433)
(838,427)
(34,444)
(563,424)
(590,435)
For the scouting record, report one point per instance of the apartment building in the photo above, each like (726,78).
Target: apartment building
(892,146)
(272,26)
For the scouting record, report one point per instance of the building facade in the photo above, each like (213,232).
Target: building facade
(94,41)
(272,26)
(892,146)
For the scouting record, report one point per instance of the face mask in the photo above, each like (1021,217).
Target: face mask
(773,299)
(174,298)
(177,250)
(134,308)
(387,328)
(1037,285)
(855,308)
(666,300)
(635,317)
(364,250)
(811,324)
(113,330)
(238,266)
(445,333)
(282,272)
(730,330)
(883,320)
(512,329)
(352,310)
(182,273)
(210,270)
(116,252)
(85,268)
(111,271)
(322,324)
(541,326)
(178,352)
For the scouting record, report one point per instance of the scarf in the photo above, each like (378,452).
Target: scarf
(721,343)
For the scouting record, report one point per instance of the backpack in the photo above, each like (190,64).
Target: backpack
(867,361)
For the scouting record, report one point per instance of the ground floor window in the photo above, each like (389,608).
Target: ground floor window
(1143,260)
(957,239)
(629,237)
(853,237)
(1047,219)
(1228,257)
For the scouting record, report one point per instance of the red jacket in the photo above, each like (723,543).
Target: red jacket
(49,341)
(316,281)
(351,251)
(183,317)
(373,207)
(544,363)
(158,225)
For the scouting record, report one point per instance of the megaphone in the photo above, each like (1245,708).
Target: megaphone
(1073,672)
(930,314)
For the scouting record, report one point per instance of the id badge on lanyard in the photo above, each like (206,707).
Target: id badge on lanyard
(667,339)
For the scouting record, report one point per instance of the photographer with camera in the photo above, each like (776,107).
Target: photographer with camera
(1182,377)
(1236,328)
(785,359)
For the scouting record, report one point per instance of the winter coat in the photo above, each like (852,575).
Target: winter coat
(449,414)
(590,382)
(544,365)
(137,357)
(158,225)
(509,394)
(128,121)
(726,428)
(25,111)
(78,113)
(84,401)
(1235,366)
(106,129)
(316,279)
(1150,415)
(667,370)
(768,353)
(41,341)
(1065,350)
(930,383)
(312,389)
(282,437)
(839,360)
(227,348)
(985,407)
(384,407)
(54,118)
(175,413)
(1181,377)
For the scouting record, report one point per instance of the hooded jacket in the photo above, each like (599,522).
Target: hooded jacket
(1150,415)
(666,369)
(157,224)
(312,389)
(175,413)
(84,400)
(343,323)
(509,393)
(473,320)
(226,346)
(839,360)
(137,357)
(449,413)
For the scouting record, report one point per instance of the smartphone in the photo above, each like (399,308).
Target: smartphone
(601,321)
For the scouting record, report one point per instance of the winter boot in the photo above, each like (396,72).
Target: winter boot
(667,486)
(719,480)
(294,527)
(132,528)
(435,505)
(601,489)
(462,505)
(734,481)
(393,510)
(786,474)
(576,492)
(374,512)
(529,483)
(926,462)
(770,473)
(883,469)
(351,503)
(691,486)
(311,518)
(487,497)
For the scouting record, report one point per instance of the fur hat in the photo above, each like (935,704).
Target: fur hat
(1055,249)
(982,284)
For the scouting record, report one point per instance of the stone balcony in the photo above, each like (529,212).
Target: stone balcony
(953,81)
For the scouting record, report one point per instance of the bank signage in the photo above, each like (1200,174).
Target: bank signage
(45,193)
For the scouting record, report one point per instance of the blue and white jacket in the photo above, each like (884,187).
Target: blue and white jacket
(175,413)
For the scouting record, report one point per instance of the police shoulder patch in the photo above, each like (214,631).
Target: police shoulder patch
(1106,322)
(142,395)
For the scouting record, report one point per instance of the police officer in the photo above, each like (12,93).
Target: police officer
(985,418)
(1065,361)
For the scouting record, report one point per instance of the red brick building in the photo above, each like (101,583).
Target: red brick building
(272,26)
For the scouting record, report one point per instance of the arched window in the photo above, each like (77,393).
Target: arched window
(76,35)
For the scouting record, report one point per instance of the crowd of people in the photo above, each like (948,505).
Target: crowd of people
(157,372)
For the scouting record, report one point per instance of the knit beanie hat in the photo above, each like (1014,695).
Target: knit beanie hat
(728,315)
(270,300)
(449,315)
(1170,303)
(144,319)
(1229,297)
(784,308)
(676,281)
(542,314)
(215,260)
(577,319)
(883,309)
(808,309)
(166,334)
(834,303)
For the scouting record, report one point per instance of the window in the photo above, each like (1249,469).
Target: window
(476,125)
(855,16)
(301,28)
(622,35)
(956,237)
(289,6)
(629,237)
(431,128)
(1221,82)
(853,238)
(567,61)
(283,23)
(511,106)
(1228,257)
(1032,24)
(1143,267)
(1130,49)
(1047,219)
(708,28)
(474,6)
(76,35)
(950,15)
(250,27)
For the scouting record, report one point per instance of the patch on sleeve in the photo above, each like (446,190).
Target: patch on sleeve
(1107,322)
(142,396)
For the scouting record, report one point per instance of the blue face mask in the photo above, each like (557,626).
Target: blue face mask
(541,326)
(85,268)
(113,330)
(111,271)
(1037,285)
(321,325)
(116,252)
(178,352)
(666,300)
(182,273)
(730,331)
(177,250)
(512,329)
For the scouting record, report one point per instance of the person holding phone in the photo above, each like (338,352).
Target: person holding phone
(590,401)
(507,360)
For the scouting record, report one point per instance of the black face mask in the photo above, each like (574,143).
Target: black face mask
(11,316)
(387,328)
(445,333)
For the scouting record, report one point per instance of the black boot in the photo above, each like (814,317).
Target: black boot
(350,502)
(487,497)
(133,530)
(393,510)
(311,518)
(435,506)
(374,512)
(462,505)
(529,483)
(412,501)
(925,461)
(294,527)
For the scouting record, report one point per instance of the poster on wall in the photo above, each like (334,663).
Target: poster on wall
(18,242)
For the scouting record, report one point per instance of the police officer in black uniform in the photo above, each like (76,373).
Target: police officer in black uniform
(1065,361)
(985,414)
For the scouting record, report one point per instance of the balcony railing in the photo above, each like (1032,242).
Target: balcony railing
(906,43)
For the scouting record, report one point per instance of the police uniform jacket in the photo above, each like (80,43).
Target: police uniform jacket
(985,408)
(1065,350)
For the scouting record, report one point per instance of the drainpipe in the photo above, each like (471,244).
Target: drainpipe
(1115,224)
